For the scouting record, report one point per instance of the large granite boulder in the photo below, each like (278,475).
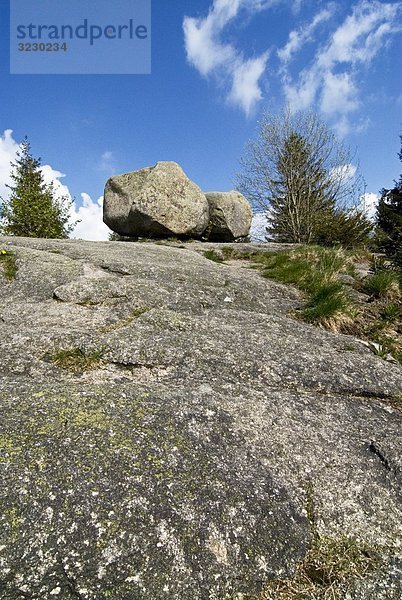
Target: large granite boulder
(169,431)
(156,201)
(230,216)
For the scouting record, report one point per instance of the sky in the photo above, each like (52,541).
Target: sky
(217,65)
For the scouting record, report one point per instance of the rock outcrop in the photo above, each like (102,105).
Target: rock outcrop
(169,431)
(157,201)
(230,216)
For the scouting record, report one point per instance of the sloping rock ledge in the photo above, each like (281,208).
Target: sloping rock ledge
(182,453)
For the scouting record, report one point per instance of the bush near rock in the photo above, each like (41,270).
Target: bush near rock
(158,201)
(230,216)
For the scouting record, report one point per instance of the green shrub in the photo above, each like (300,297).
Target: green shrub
(348,228)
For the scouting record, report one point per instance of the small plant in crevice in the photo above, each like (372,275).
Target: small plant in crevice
(8,262)
(76,360)
(214,256)
(87,302)
(330,568)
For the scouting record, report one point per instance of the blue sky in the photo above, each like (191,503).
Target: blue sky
(216,66)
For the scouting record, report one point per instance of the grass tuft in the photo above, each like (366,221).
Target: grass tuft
(76,361)
(329,303)
(328,572)
(383,284)
(8,262)
(214,256)
(314,271)
(329,306)
(391,313)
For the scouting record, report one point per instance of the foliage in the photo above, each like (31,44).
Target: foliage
(328,305)
(347,228)
(391,312)
(33,210)
(116,237)
(389,221)
(298,172)
(9,263)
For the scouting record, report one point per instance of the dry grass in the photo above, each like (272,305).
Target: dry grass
(328,572)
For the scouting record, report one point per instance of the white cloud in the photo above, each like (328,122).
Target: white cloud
(298,38)
(107,163)
(339,94)
(258,230)
(369,203)
(343,173)
(91,226)
(331,79)
(90,214)
(50,175)
(245,90)
(8,153)
(210,55)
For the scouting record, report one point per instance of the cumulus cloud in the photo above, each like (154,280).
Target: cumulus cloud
(331,79)
(91,226)
(210,55)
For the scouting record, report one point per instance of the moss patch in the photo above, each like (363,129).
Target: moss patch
(135,313)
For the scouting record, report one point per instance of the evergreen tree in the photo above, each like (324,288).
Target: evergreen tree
(389,221)
(303,178)
(301,193)
(33,210)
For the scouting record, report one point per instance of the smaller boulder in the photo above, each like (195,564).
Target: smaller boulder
(230,216)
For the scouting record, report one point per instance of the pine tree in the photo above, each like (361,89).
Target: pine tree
(389,220)
(301,194)
(33,210)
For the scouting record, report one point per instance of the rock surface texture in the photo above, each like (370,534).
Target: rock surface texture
(155,202)
(230,216)
(168,430)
